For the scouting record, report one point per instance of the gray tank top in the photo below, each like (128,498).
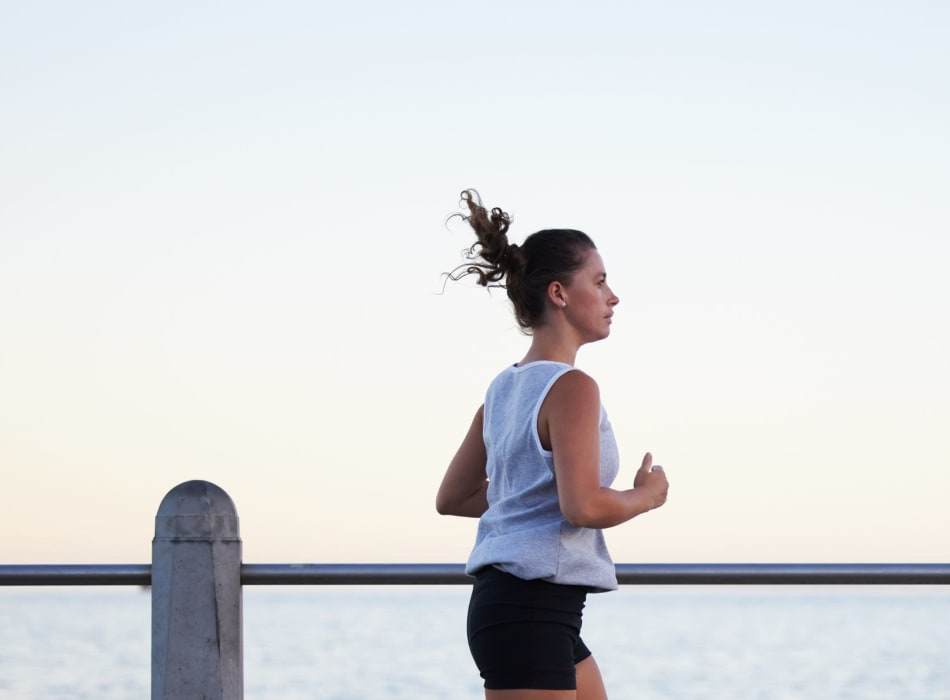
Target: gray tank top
(523,532)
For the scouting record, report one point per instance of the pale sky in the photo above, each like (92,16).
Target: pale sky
(222,233)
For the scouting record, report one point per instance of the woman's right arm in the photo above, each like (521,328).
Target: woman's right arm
(464,488)
(570,420)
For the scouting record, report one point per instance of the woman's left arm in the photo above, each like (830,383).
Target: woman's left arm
(464,488)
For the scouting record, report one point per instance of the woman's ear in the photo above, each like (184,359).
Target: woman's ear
(557,295)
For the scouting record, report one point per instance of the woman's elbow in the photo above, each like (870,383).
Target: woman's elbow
(443,506)
(448,505)
(466,505)
(580,516)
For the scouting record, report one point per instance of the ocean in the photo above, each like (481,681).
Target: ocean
(402,643)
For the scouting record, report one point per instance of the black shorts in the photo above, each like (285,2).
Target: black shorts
(525,634)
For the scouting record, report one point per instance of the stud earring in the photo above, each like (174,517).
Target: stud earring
(563,304)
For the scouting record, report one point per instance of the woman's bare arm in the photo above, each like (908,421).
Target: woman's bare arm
(570,420)
(464,488)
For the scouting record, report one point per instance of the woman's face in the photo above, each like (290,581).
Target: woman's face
(590,301)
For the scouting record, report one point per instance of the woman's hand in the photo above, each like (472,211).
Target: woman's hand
(652,480)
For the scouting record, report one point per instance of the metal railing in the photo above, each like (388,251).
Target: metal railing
(454,574)
(197,576)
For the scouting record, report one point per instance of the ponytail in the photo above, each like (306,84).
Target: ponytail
(544,257)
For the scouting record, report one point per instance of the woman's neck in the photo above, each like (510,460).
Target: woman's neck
(550,346)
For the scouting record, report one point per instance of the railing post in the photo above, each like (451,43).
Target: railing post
(197,636)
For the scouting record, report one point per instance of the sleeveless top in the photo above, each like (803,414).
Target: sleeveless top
(523,532)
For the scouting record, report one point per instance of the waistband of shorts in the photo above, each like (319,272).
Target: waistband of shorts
(489,574)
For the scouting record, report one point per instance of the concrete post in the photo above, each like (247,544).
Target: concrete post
(197,631)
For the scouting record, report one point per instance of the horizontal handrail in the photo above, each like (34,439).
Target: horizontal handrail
(75,574)
(454,574)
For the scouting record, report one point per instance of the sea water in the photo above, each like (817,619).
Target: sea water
(408,642)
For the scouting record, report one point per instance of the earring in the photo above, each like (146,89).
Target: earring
(563,304)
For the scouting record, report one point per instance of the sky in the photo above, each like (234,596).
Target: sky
(223,228)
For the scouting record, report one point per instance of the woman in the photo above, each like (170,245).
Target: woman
(536,466)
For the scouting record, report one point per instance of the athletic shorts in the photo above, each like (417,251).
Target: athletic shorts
(525,634)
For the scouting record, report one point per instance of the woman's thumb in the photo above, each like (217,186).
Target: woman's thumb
(647,462)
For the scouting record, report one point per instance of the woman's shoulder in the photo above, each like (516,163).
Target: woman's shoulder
(572,403)
(575,386)
(577,379)
(546,377)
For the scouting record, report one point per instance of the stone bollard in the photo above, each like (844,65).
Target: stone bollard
(197,631)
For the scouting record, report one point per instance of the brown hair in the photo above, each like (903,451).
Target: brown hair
(551,255)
